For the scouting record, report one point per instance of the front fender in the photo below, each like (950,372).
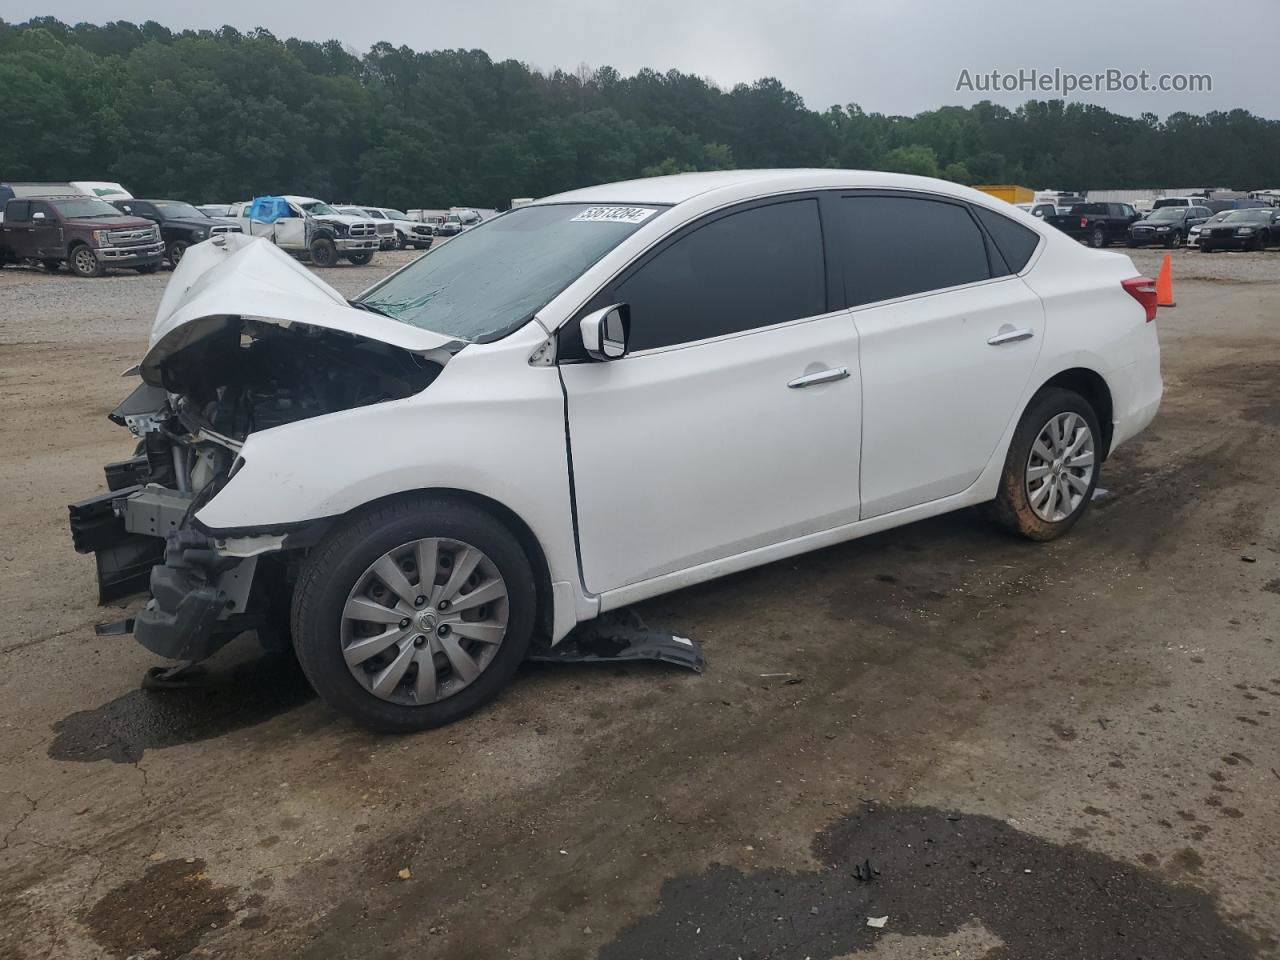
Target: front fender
(484,426)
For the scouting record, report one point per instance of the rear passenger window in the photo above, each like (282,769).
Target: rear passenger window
(19,210)
(746,270)
(897,246)
(1015,242)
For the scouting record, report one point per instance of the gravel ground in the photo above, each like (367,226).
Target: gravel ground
(1009,750)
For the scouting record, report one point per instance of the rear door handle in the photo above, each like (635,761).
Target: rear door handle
(822,376)
(1010,336)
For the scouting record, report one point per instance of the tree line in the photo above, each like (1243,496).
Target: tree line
(223,115)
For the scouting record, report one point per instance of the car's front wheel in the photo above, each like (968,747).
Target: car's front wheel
(1051,469)
(324,252)
(85,263)
(174,251)
(414,614)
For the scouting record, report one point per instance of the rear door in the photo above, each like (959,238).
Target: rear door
(19,233)
(733,423)
(948,339)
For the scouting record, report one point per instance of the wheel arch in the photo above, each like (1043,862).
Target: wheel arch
(1093,387)
(544,616)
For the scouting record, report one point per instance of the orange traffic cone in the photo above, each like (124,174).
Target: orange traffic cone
(1164,284)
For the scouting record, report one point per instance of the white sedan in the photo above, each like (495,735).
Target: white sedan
(600,397)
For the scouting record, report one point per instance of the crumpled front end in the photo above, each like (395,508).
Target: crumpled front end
(245,341)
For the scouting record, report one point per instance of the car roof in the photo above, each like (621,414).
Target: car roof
(742,184)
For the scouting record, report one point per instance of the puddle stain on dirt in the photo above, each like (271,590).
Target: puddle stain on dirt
(936,873)
(123,729)
(161,915)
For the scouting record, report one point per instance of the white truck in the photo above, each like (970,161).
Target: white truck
(307,227)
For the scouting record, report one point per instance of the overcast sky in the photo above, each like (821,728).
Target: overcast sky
(891,56)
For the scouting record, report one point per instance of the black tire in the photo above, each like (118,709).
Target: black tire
(361,258)
(149,268)
(324,252)
(51,266)
(1097,238)
(401,241)
(174,250)
(1258,244)
(84,262)
(1012,508)
(332,570)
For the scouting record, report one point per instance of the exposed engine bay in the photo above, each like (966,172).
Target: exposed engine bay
(244,377)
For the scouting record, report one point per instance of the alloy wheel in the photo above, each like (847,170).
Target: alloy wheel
(424,621)
(1060,467)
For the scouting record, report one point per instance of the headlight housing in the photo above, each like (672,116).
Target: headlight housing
(100,238)
(1162,229)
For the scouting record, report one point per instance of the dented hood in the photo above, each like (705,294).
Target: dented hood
(234,275)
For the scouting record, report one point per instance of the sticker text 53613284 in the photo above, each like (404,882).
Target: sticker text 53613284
(615,214)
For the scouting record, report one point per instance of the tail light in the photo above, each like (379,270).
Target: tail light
(1084,222)
(1142,289)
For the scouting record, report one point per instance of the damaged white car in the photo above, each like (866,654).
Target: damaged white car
(594,399)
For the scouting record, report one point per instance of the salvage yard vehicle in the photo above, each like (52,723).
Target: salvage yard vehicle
(84,232)
(395,229)
(1167,226)
(385,228)
(306,227)
(1193,235)
(181,224)
(1252,229)
(1098,224)
(597,398)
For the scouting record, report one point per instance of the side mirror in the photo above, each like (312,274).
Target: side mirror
(604,332)
(38,215)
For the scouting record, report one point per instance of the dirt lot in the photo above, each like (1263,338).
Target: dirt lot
(1056,751)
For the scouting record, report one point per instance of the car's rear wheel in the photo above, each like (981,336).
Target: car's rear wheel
(324,252)
(85,263)
(1097,238)
(414,614)
(1051,468)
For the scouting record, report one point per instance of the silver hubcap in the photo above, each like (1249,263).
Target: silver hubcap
(1060,467)
(424,621)
(85,259)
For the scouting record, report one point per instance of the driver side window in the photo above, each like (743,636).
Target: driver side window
(751,269)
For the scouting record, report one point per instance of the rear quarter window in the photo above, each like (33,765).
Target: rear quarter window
(1015,242)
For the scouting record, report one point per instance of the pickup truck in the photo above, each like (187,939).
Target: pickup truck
(86,233)
(1098,224)
(180,224)
(307,227)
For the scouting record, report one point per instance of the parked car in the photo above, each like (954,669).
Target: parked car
(396,470)
(385,228)
(409,233)
(1098,224)
(1042,209)
(181,224)
(1255,228)
(84,232)
(307,227)
(1178,202)
(1193,235)
(1168,226)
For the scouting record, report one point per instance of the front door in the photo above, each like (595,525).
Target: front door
(46,230)
(733,423)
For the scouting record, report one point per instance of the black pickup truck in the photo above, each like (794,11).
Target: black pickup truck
(85,233)
(181,224)
(1098,224)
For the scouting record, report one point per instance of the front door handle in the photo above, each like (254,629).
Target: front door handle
(822,376)
(1009,335)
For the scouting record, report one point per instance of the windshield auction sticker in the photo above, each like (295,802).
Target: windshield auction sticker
(615,214)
